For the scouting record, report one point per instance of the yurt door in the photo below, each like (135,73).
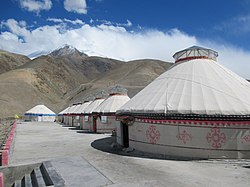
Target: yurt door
(125,135)
(39,118)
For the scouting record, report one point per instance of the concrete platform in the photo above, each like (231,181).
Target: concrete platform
(78,154)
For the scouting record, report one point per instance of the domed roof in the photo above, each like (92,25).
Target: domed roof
(92,106)
(112,103)
(82,107)
(195,84)
(40,110)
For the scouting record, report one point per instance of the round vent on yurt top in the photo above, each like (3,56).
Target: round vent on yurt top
(195,52)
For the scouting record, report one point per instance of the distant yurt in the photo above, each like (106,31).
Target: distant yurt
(90,120)
(65,116)
(71,114)
(196,109)
(74,119)
(60,117)
(80,112)
(105,112)
(40,113)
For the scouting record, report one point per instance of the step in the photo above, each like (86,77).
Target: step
(37,178)
(26,181)
(50,175)
(17,183)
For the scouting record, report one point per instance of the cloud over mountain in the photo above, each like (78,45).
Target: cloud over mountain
(113,41)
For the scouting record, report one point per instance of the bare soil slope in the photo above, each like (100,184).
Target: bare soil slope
(9,61)
(65,77)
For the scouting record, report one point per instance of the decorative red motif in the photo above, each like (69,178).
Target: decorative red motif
(184,136)
(216,137)
(152,134)
(246,138)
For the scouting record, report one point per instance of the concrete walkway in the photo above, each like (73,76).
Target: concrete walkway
(36,142)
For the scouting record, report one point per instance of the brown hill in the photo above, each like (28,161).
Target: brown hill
(133,75)
(9,61)
(68,76)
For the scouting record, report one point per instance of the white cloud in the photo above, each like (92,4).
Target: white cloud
(105,22)
(74,22)
(77,6)
(115,42)
(237,25)
(36,5)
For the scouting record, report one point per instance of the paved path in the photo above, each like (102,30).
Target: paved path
(35,142)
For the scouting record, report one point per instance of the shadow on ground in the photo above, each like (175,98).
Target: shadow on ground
(109,145)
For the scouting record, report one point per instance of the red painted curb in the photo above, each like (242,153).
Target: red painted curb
(6,148)
(1,180)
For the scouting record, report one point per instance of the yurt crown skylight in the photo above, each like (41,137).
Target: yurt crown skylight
(195,52)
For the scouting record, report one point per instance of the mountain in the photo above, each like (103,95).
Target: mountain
(133,75)
(67,51)
(66,76)
(10,61)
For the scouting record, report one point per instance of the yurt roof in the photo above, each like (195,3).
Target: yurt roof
(198,86)
(82,107)
(72,109)
(63,111)
(40,110)
(75,108)
(112,103)
(92,106)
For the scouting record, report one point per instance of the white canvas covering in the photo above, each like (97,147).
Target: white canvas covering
(81,108)
(93,106)
(112,103)
(40,113)
(40,109)
(194,86)
(64,111)
(75,108)
(71,109)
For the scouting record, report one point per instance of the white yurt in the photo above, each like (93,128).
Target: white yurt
(196,109)
(90,120)
(60,117)
(74,116)
(105,112)
(65,116)
(70,114)
(80,112)
(40,113)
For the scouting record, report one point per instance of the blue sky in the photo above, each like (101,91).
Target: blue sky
(129,29)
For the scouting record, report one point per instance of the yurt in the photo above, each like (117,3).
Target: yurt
(75,116)
(105,112)
(65,116)
(71,114)
(80,112)
(90,120)
(60,117)
(40,113)
(196,109)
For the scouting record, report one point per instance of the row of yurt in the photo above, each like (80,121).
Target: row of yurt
(97,116)
(196,109)
(40,113)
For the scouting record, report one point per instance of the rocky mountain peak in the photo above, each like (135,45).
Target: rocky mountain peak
(65,51)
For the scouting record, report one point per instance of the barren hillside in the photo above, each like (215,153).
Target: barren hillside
(67,76)
(9,61)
